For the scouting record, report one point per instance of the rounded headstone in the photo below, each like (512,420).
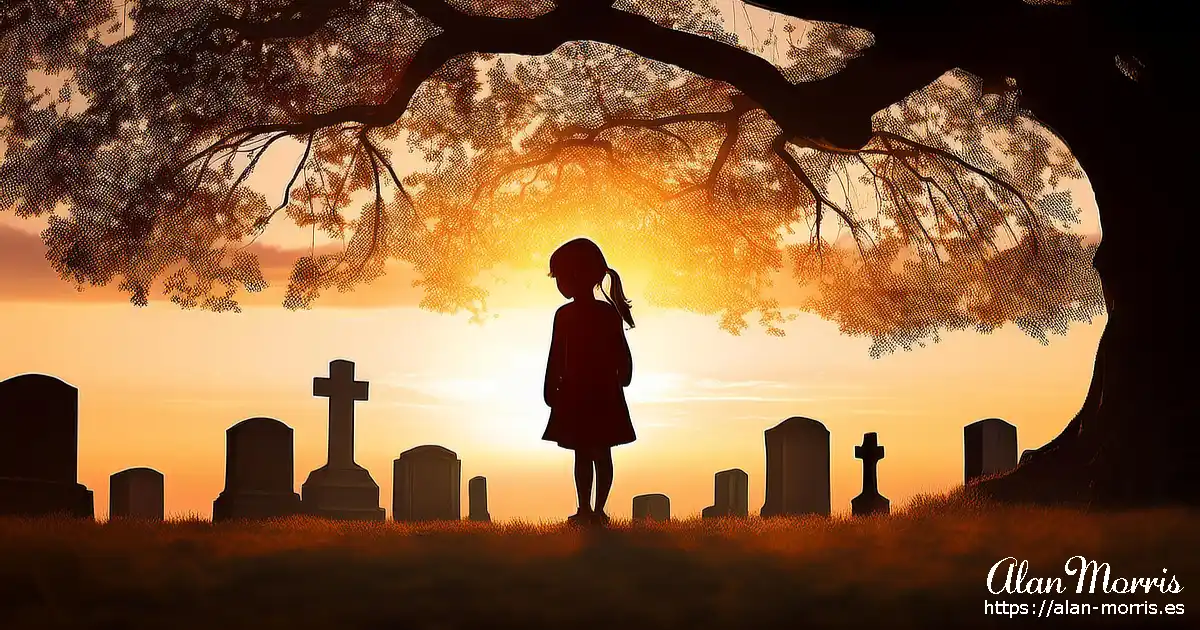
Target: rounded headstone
(477,500)
(136,493)
(799,424)
(426,484)
(798,468)
(259,465)
(39,448)
(39,429)
(259,456)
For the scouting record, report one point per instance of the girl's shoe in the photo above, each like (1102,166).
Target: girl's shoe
(600,518)
(581,517)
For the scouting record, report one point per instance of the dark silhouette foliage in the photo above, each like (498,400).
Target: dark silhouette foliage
(141,128)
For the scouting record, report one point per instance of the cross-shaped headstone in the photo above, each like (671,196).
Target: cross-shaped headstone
(870,453)
(870,501)
(342,390)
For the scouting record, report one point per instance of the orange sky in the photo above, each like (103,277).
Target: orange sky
(700,398)
(159,386)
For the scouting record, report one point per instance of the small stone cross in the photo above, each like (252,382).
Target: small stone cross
(870,453)
(870,501)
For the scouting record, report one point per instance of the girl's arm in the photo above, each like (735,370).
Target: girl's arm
(625,360)
(553,363)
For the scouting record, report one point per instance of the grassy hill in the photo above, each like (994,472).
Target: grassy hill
(926,566)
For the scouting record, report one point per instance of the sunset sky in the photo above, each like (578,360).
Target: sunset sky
(159,385)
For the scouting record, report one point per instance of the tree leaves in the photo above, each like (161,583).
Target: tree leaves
(953,216)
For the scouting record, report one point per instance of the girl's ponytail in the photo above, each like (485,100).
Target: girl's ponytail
(618,299)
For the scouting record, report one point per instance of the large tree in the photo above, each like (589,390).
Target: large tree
(924,146)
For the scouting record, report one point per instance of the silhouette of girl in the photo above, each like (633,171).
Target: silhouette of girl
(586,373)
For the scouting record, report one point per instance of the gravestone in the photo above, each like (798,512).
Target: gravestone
(425,485)
(870,501)
(341,489)
(1025,455)
(259,466)
(989,448)
(477,508)
(730,495)
(136,493)
(797,468)
(39,449)
(654,507)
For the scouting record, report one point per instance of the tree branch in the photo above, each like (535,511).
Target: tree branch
(832,114)
(991,179)
(552,153)
(779,146)
(837,107)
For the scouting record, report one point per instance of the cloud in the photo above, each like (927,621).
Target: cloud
(27,276)
(879,412)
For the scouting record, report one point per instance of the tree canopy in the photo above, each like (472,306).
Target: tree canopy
(718,152)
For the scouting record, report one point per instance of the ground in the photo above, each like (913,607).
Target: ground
(924,566)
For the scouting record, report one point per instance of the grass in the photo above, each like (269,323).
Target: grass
(925,566)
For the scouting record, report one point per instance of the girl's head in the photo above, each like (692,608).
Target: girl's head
(578,267)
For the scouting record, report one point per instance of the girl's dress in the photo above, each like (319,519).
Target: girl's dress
(586,372)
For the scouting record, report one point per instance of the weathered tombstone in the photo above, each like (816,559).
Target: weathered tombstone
(870,501)
(477,508)
(426,485)
(39,449)
(654,507)
(1025,455)
(797,468)
(341,489)
(730,495)
(989,448)
(259,464)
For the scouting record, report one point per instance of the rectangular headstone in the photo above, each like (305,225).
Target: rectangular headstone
(654,507)
(39,448)
(989,448)
(136,493)
(426,485)
(730,495)
(797,468)
(477,509)
(259,469)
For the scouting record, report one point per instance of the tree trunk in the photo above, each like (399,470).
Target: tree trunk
(1134,439)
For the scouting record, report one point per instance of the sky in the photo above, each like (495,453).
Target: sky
(159,385)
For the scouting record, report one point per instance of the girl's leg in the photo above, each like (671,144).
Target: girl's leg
(604,476)
(583,478)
